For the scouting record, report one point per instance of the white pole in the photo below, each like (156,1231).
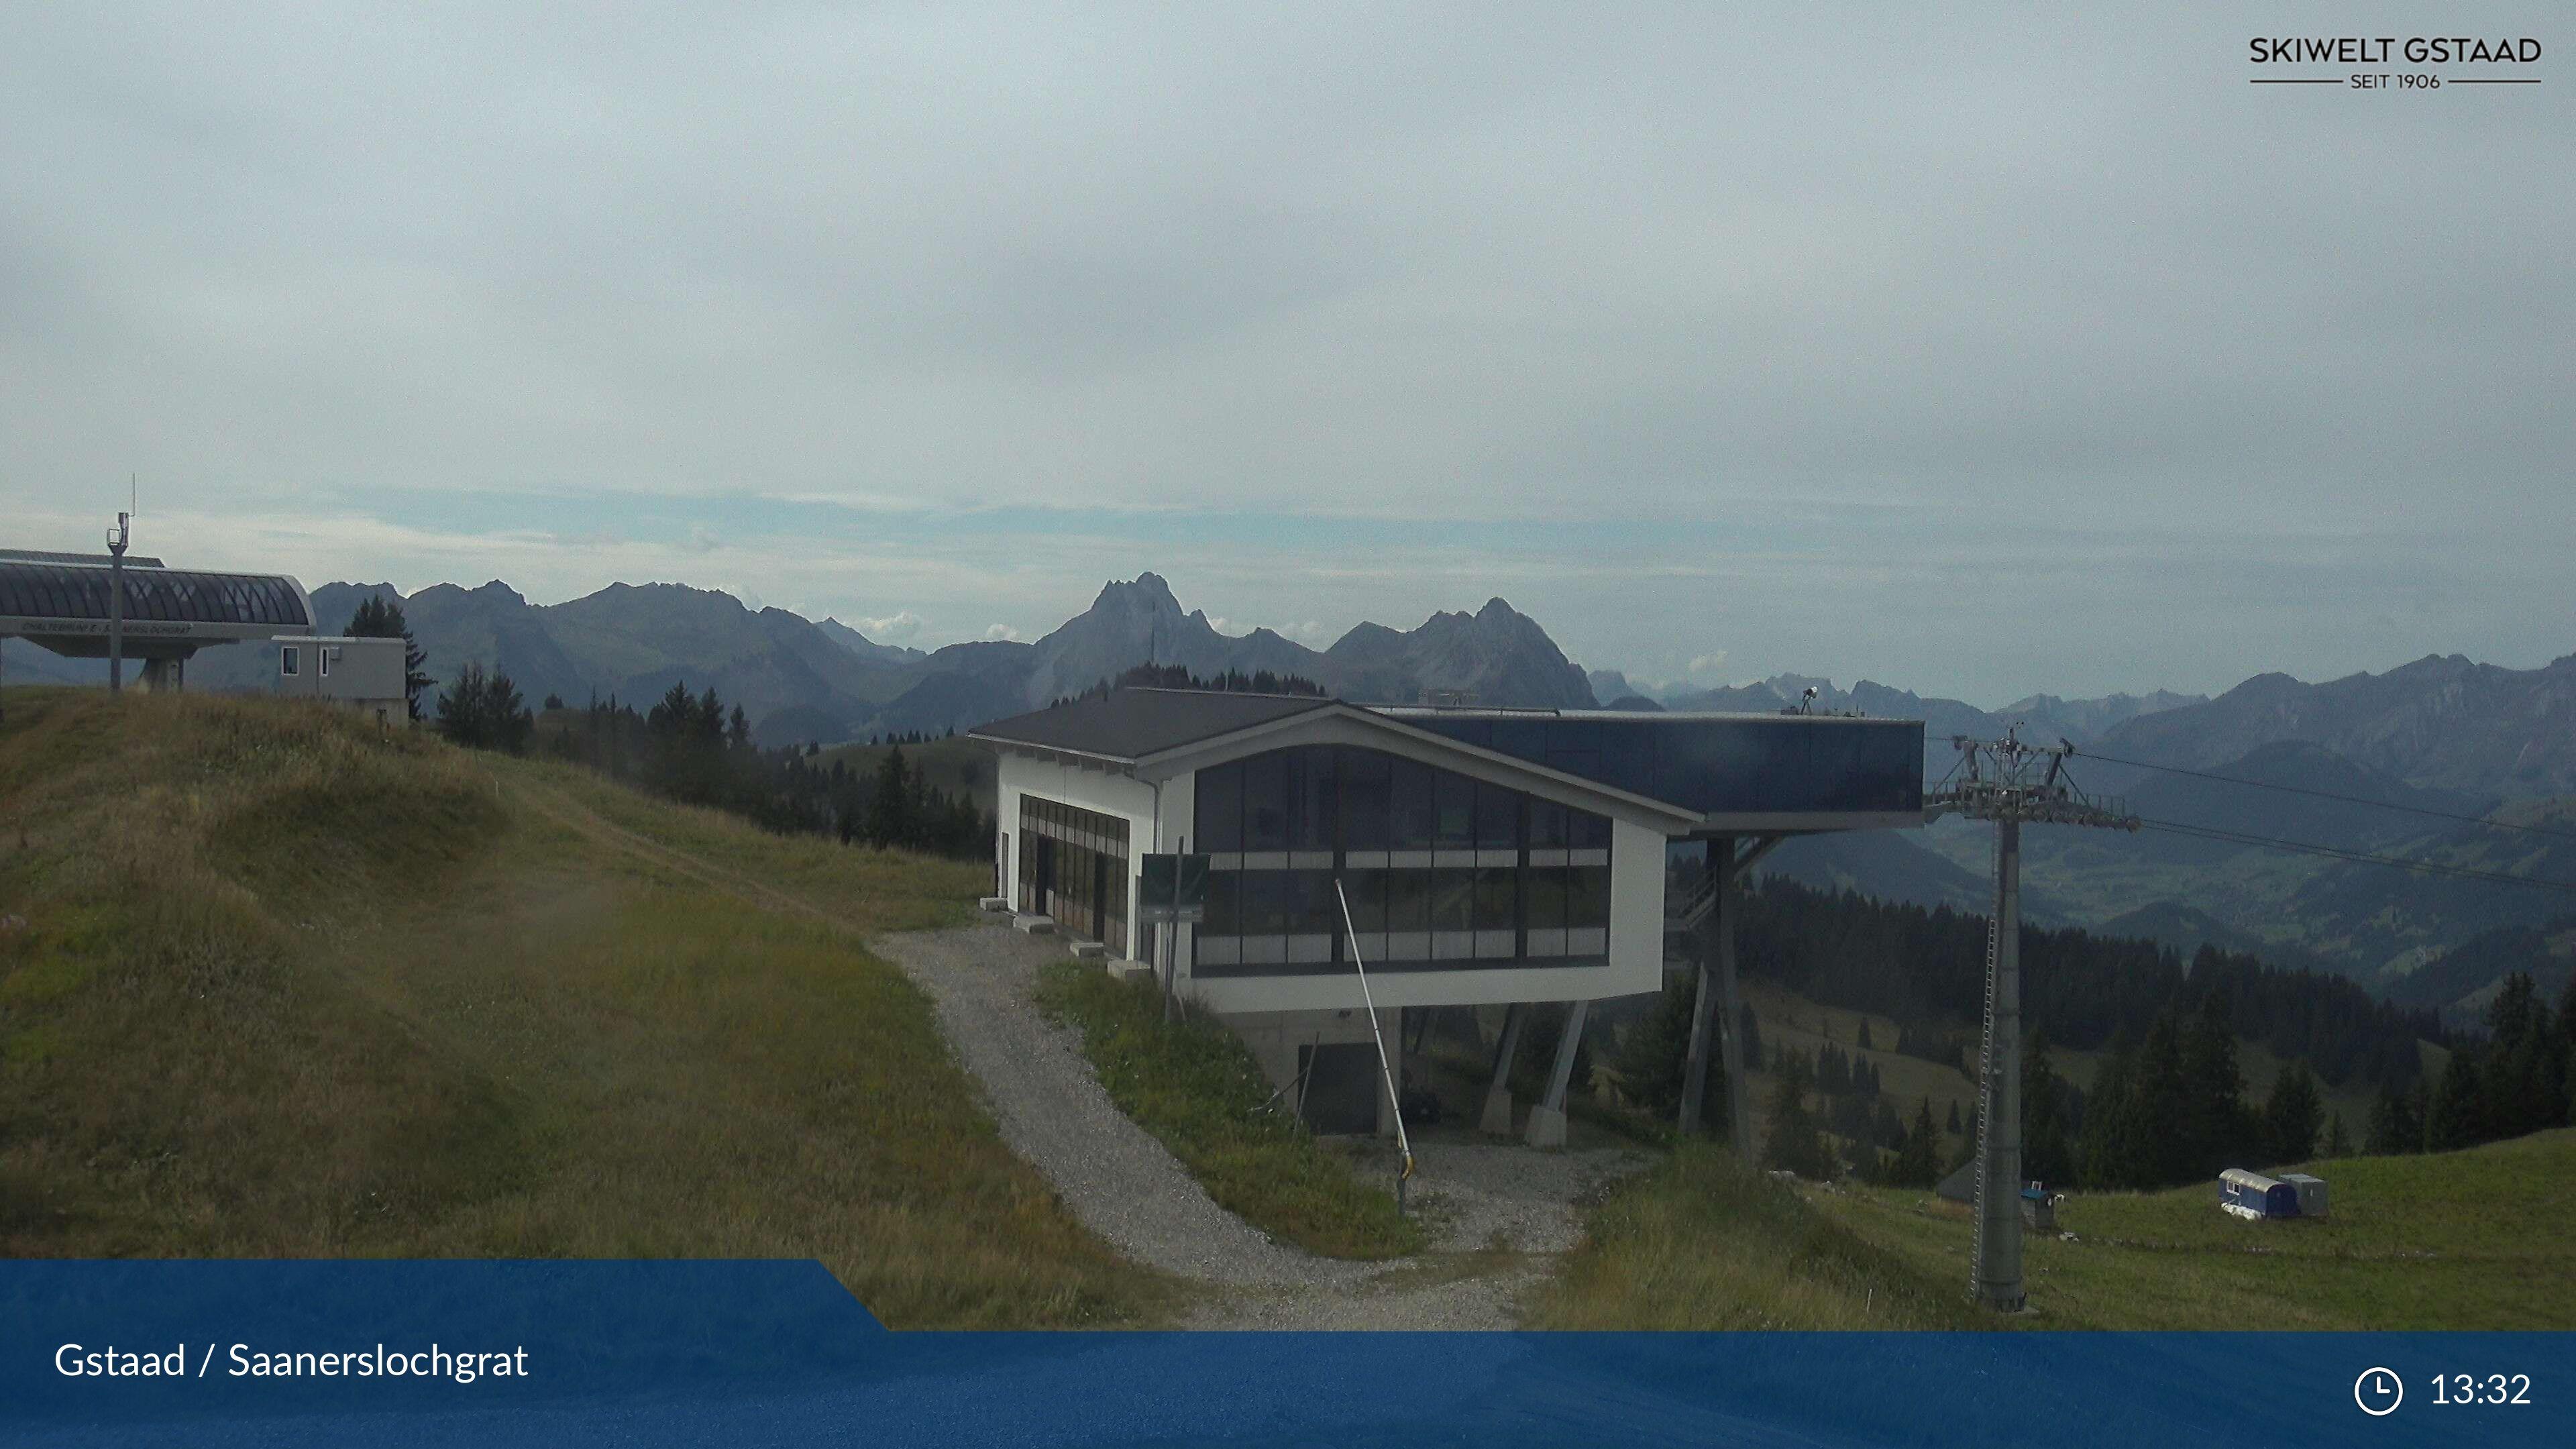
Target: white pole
(1387,1073)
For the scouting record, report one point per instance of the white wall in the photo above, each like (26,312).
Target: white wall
(1129,799)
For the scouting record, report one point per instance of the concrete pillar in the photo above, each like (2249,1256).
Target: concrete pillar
(1730,1004)
(1721,854)
(1498,1097)
(1547,1118)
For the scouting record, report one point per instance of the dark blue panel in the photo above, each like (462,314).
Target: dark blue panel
(1747,765)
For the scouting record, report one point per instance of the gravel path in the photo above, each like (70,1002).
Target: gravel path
(1496,1212)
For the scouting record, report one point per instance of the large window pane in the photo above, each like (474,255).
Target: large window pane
(1545,889)
(1311,904)
(1498,817)
(1587,831)
(1408,900)
(1367,891)
(1220,809)
(1310,826)
(1413,815)
(1587,896)
(1494,898)
(1546,825)
(1265,801)
(1265,902)
(1455,797)
(1367,802)
(1224,903)
(1453,900)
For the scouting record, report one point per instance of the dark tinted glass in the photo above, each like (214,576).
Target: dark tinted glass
(1224,904)
(1312,907)
(1413,816)
(1366,800)
(1587,831)
(1498,817)
(1546,825)
(1265,801)
(1454,799)
(1545,888)
(1310,824)
(1408,900)
(1494,898)
(1453,900)
(1367,890)
(1219,811)
(1587,895)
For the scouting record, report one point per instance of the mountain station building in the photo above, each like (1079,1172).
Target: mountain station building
(62,602)
(1489,857)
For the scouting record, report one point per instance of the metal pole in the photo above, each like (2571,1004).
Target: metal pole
(1998,1266)
(116,608)
(1385,1072)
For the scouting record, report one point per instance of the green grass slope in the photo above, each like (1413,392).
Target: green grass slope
(2464,1240)
(273,983)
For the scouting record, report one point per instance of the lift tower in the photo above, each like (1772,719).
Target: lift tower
(2008,782)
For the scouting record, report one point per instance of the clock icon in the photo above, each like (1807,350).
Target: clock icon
(2378,1391)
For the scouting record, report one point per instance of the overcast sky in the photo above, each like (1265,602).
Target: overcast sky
(2037,351)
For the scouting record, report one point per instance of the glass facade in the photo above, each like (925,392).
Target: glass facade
(1073,870)
(55,591)
(1441,869)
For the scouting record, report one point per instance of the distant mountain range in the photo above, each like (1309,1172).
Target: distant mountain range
(801,680)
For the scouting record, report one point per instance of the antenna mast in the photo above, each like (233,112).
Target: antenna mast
(2008,782)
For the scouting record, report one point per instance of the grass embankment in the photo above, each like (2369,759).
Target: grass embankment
(2473,1239)
(288,987)
(1699,1244)
(1196,1087)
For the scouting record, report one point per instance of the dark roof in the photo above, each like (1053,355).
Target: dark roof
(1130,724)
(79,592)
(38,555)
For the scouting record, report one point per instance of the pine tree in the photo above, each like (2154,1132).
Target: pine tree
(2046,1155)
(1863,1039)
(2457,1116)
(378,617)
(1918,1160)
(2290,1116)
(889,809)
(1954,1128)
(1795,1143)
(2338,1143)
(2213,1125)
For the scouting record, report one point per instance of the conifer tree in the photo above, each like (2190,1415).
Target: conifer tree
(2290,1116)
(2046,1154)
(2338,1143)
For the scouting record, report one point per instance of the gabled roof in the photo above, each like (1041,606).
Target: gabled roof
(1131,724)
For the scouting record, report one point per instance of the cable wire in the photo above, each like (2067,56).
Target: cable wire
(2331,795)
(2363,857)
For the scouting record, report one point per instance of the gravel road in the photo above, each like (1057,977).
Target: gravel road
(1497,1213)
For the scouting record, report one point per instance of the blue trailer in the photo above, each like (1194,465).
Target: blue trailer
(2253,1196)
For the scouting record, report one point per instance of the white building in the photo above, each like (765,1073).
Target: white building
(1488,856)
(364,674)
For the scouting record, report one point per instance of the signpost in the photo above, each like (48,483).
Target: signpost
(1173,891)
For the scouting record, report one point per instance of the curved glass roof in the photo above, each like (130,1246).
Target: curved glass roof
(58,591)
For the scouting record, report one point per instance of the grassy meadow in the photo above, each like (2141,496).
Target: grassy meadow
(275,983)
(2476,1239)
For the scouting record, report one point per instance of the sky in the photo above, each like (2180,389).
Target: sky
(1980,353)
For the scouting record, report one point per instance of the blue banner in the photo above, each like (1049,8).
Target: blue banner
(566,1354)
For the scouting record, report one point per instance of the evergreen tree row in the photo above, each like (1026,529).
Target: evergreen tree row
(2515,1081)
(1926,968)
